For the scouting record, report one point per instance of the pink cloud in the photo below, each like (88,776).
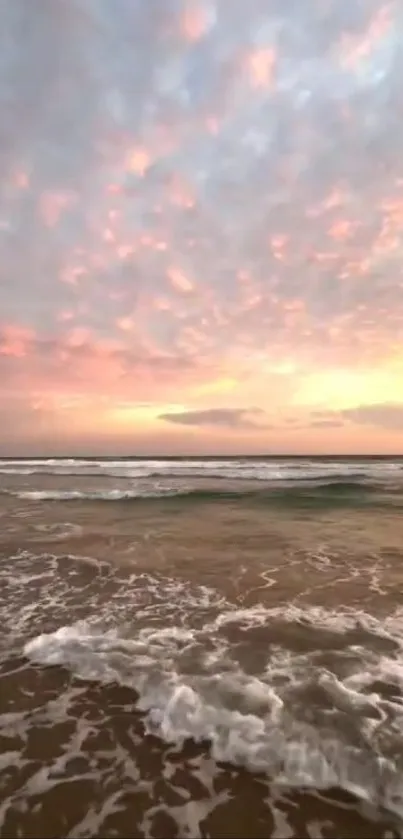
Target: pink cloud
(194,21)
(260,67)
(179,280)
(16,340)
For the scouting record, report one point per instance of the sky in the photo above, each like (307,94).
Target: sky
(201,226)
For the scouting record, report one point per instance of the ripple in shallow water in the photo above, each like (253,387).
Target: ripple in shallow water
(129,677)
(309,697)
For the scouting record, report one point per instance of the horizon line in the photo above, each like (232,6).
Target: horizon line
(201,456)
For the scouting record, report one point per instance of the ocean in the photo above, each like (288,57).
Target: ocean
(204,647)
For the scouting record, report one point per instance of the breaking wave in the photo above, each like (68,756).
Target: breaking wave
(269,469)
(314,493)
(294,718)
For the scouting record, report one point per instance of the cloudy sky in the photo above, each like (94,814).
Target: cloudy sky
(201,226)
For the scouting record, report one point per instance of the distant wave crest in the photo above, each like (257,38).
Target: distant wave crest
(318,493)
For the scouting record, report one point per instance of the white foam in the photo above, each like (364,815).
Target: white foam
(256,683)
(58,531)
(260,721)
(94,495)
(337,620)
(43,461)
(15,471)
(260,470)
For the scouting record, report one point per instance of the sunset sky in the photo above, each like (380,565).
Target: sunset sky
(201,226)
